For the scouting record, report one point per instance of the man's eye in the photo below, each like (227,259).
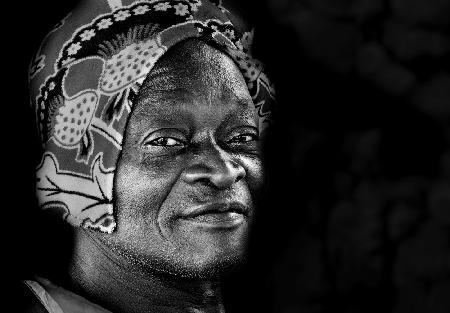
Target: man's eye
(244,138)
(166,142)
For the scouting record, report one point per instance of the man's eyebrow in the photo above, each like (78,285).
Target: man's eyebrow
(165,106)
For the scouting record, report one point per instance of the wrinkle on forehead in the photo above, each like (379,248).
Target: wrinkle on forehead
(193,63)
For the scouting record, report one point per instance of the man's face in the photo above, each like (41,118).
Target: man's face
(190,168)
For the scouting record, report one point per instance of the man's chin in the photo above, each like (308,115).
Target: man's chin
(218,268)
(208,268)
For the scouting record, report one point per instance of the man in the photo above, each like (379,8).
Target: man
(150,115)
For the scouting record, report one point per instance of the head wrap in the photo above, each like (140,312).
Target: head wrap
(84,80)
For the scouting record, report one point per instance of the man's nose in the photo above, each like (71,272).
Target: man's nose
(214,167)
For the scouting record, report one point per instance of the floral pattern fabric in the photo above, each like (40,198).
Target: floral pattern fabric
(85,77)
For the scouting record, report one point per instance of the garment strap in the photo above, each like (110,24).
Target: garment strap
(44,297)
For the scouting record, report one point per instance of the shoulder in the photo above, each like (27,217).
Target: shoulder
(25,299)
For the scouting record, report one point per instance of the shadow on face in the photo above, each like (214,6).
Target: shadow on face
(190,168)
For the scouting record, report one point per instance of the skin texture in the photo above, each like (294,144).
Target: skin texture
(191,142)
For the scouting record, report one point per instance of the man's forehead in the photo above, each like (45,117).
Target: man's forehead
(194,62)
(215,80)
(183,102)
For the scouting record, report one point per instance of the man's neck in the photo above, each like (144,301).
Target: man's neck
(112,281)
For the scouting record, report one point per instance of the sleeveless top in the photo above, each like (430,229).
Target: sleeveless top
(50,298)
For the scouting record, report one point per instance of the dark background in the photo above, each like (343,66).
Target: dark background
(357,213)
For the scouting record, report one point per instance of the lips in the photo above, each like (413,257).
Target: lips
(224,215)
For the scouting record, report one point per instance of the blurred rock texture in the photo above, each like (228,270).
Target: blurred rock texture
(364,88)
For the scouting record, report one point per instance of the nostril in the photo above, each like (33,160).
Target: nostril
(238,178)
(226,176)
(218,171)
(239,171)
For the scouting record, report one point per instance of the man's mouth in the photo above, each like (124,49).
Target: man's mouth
(218,215)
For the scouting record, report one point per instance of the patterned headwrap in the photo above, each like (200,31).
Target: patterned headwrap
(85,78)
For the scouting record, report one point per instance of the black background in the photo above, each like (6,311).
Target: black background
(357,213)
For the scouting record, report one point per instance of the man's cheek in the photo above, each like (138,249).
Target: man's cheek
(163,163)
(139,192)
(254,174)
